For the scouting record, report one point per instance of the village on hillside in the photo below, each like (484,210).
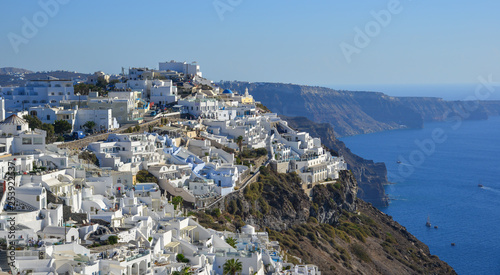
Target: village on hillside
(102,175)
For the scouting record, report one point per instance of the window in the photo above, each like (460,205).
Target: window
(26,140)
(48,117)
(18,127)
(37,198)
(37,140)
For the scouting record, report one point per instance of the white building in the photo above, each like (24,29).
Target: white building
(163,92)
(16,137)
(93,79)
(295,151)
(123,110)
(200,106)
(36,92)
(254,130)
(181,67)
(124,152)
(64,233)
(103,118)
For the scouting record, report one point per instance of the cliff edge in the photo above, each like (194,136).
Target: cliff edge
(329,226)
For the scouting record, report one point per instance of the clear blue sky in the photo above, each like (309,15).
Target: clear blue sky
(293,41)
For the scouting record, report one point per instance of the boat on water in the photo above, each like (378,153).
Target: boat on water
(479,185)
(435,226)
(398,161)
(428,223)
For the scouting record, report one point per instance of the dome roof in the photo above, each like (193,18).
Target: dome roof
(227,91)
(13,119)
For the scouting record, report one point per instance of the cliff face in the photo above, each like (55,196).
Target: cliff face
(278,202)
(371,176)
(332,228)
(328,113)
(352,113)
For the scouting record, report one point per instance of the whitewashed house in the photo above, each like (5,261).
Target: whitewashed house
(163,92)
(16,137)
(39,92)
(181,67)
(123,152)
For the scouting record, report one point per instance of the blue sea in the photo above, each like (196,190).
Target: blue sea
(442,166)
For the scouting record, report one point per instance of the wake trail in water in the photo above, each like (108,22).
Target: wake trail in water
(491,189)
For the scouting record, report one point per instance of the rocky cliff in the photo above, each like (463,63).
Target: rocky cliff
(371,176)
(352,113)
(328,113)
(330,228)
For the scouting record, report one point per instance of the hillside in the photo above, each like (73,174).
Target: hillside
(352,113)
(11,76)
(12,70)
(334,230)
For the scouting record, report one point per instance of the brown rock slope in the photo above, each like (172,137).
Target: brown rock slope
(330,228)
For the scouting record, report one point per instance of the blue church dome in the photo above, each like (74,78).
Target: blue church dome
(227,91)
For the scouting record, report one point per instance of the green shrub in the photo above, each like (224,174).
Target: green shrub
(312,220)
(216,212)
(312,237)
(145,176)
(113,239)
(264,206)
(181,258)
(360,252)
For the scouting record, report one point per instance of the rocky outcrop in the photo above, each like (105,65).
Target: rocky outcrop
(328,201)
(277,201)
